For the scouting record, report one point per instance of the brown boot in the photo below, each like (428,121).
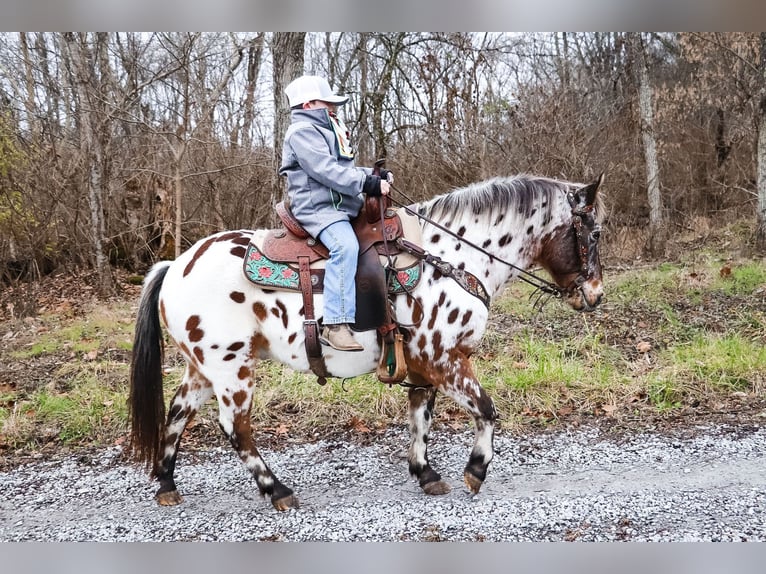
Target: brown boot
(340,337)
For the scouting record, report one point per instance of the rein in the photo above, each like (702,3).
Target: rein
(540,284)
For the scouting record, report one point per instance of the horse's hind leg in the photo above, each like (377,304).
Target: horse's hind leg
(234,419)
(194,391)
(421,408)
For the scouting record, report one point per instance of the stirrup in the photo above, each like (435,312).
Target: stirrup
(392,366)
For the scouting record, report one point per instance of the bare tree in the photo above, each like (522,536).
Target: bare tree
(91,146)
(657,233)
(761,150)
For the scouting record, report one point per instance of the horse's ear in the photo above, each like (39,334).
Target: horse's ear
(590,191)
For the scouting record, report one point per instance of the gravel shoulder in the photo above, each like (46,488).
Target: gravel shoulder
(569,485)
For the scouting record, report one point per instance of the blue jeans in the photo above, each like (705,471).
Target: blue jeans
(340,273)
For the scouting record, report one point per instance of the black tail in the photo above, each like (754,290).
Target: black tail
(146,402)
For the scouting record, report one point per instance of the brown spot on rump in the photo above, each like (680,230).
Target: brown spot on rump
(505,239)
(243,373)
(235,346)
(239,398)
(237,296)
(199,253)
(230,357)
(200,354)
(192,325)
(282,308)
(238,251)
(422,342)
(242,240)
(230,236)
(226,400)
(466,317)
(183,391)
(258,343)
(442,298)
(291,338)
(435,238)
(260,311)
(452,317)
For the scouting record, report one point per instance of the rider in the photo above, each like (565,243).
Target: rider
(325,192)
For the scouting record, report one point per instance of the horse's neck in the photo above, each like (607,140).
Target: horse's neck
(513,238)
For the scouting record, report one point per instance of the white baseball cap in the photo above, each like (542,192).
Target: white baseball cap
(310,88)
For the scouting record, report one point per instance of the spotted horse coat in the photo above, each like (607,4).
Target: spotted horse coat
(224,325)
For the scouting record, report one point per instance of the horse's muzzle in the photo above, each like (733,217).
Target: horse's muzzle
(586,296)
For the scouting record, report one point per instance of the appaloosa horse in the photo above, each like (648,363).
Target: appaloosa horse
(224,325)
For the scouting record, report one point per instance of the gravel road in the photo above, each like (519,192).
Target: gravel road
(570,485)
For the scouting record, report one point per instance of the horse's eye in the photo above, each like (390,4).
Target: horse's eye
(595,234)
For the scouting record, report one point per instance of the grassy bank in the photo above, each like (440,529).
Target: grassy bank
(670,338)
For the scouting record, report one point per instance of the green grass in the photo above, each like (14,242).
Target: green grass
(726,363)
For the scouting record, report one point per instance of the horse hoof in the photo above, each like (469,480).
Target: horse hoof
(473,483)
(436,487)
(285,503)
(169,498)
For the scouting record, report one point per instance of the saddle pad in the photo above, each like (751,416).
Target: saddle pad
(265,272)
(262,271)
(283,275)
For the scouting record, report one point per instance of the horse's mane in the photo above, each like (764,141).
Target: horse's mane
(520,194)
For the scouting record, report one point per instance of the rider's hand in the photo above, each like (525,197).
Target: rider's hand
(387,175)
(385,187)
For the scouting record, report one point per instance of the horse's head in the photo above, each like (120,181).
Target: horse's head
(570,254)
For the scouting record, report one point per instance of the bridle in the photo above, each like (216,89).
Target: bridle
(585,243)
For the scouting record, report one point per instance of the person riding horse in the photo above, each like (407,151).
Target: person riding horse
(325,191)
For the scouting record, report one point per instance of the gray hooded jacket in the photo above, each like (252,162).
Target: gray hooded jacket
(323,186)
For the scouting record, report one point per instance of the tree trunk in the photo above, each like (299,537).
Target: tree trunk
(657,233)
(92,154)
(29,83)
(254,53)
(287,54)
(761,151)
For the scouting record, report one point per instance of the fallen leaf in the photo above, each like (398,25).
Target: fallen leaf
(358,425)
(643,347)
(91,355)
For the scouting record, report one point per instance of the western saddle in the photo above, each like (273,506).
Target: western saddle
(378,227)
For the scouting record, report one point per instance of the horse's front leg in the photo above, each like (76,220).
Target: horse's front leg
(463,386)
(421,409)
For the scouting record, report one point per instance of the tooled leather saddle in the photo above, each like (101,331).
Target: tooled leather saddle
(289,258)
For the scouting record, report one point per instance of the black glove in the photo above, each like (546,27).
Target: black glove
(372,186)
(387,175)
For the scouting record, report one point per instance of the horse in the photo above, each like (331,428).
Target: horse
(224,325)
